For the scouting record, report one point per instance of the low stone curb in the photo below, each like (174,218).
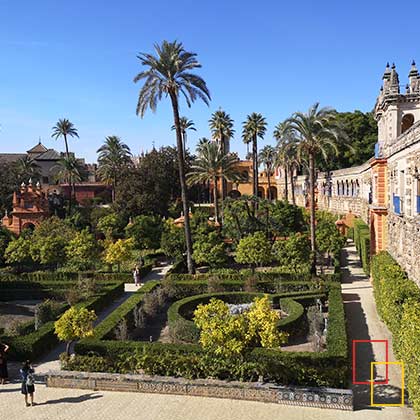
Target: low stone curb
(338,399)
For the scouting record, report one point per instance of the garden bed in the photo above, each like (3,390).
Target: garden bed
(327,368)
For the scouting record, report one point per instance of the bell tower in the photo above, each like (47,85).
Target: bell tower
(396,112)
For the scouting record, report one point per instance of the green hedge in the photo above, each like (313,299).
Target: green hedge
(37,343)
(329,368)
(52,276)
(362,242)
(398,303)
(294,323)
(124,311)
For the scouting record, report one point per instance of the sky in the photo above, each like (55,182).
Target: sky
(77,60)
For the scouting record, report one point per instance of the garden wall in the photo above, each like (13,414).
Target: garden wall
(339,399)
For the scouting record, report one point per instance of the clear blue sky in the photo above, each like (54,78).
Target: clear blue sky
(77,59)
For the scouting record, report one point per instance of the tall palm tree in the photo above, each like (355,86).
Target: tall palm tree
(255,126)
(282,134)
(169,74)
(69,170)
(25,169)
(268,157)
(113,156)
(185,124)
(221,127)
(64,128)
(211,165)
(294,162)
(320,135)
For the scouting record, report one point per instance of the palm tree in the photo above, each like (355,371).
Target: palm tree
(255,126)
(221,127)
(69,170)
(319,134)
(169,74)
(185,124)
(268,157)
(210,166)
(113,156)
(294,163)
(64,128)
(26,169)
(201,143)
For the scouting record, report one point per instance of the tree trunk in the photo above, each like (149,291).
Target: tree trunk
(216,200)
(286,190)
(68,347)
(292,187)
(224,183)
(184,147)
(269,184)
(67,146)
(312,209)
(181,163)
(255,165)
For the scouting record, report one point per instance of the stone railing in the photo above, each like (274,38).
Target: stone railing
(406,139)
(339,399)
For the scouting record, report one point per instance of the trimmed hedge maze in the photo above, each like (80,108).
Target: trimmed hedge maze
(33,344)
(327,368)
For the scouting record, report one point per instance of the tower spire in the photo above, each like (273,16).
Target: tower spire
(414,79)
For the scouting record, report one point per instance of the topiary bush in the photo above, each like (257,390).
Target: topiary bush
(362,243)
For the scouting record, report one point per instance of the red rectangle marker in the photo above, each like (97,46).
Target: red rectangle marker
(385,382)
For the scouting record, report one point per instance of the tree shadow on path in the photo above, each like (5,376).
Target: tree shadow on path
(79,399)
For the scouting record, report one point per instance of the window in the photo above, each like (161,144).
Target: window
(406,122)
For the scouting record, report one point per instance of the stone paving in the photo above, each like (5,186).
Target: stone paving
(363,323)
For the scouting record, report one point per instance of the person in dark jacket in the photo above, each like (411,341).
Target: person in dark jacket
(3,363)
(28,382)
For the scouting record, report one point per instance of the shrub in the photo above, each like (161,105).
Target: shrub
(47,311)
(146,231)
(183,331)
(254,250)
(74,324)
(91,363)
(293,253)
(210,250)
(81,251)
(362,242)
(398,302)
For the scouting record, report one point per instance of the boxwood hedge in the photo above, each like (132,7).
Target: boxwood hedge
(362,241)
(398,303)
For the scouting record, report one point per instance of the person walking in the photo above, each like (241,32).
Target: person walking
(136,275)
(3,363)
(28,382)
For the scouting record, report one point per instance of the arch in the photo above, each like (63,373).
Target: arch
(261,192)
(406,122)
(29,226)
(234,194)
(273,193)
